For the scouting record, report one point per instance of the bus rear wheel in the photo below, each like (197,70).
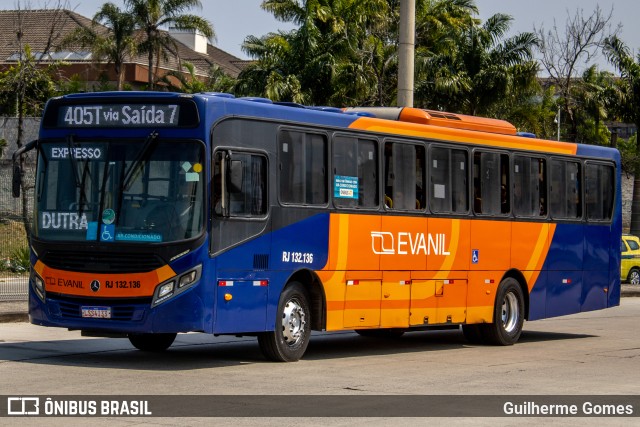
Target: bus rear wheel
(152,342)
(508,315)
(290,339)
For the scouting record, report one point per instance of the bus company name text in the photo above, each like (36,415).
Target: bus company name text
(406,243)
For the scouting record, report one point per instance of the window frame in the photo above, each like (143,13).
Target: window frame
(327,151)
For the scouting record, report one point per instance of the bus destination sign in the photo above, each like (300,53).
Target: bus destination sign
(118,115)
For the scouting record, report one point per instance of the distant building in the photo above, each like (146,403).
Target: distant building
(44,30)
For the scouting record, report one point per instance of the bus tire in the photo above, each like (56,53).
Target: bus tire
(473,334)
(508,315)
(290,339)
(152,342)
(388,333)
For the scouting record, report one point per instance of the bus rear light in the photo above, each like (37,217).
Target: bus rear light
(260,283)
(405,282)
(489,281)
(225,282)
(449,282)
(352,282)
(566,281)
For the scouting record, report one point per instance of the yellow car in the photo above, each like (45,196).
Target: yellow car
(630,265)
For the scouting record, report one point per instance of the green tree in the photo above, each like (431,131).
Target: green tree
(152,15)
(619,55)
(115,46)
(481,71)
(189,82)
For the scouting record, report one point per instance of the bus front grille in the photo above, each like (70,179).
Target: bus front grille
(108,262)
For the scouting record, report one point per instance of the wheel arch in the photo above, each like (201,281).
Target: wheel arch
(519,277)
(317,299)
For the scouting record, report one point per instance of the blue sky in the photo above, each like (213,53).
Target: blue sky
(233,20)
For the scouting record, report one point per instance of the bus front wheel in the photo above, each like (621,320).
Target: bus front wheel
(508,315)
(290,339)
(152,342)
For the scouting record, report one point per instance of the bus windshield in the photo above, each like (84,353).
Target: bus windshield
(144,191)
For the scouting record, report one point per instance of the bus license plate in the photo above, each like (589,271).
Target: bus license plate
(96,312)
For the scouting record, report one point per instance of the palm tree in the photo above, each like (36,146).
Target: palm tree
(151,15)
(618,54)
(189,82)
(481,71)
(116,45)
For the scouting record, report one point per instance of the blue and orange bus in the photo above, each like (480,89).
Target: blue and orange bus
(160,213)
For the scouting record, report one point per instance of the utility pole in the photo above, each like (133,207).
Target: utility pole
(406,52)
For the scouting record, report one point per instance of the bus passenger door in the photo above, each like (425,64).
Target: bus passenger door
(396,296)
(362,299)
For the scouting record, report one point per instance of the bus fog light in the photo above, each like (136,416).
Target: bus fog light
(165,289)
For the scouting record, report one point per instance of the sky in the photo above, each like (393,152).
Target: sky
(233,20)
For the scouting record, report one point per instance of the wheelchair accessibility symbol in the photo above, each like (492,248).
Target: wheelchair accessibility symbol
(107,232)
(475,256)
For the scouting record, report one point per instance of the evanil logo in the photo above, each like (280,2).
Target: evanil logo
(404,243)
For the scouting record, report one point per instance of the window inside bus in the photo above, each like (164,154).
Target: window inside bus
(355,172)
(529,186)
(404,176)
(448,181)
(599,191)
(303,167)
(491,183)
(565,189)
(120,191)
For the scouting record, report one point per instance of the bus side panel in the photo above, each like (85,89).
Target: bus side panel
(564,265)
(596,265)
(354,246)
(240,293)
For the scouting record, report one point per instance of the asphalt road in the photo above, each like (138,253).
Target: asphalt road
(590,353)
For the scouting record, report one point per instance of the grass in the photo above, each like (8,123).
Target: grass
(13,244)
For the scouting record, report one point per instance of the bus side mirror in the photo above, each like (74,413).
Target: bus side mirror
(16,181)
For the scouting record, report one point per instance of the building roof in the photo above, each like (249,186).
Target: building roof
(44,30)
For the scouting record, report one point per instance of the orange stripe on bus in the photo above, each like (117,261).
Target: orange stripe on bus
(124,285)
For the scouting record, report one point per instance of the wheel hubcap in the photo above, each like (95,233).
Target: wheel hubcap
(635,278)
(510,312)
(293,322)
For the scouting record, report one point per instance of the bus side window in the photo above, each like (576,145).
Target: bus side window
(529,186)
(355,172)
(491,187)
(599,191)
(404,176)
(448,178)
(565,190)
(302,167)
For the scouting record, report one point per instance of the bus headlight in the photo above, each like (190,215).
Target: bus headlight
(168,289)
(38,285)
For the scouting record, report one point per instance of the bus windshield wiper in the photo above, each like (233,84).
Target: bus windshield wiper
(74,167)
(137,163)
